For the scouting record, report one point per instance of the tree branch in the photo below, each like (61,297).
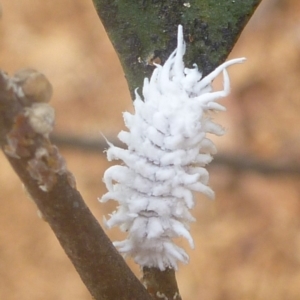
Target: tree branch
(144,32)
(25,123)
(238,162)
(161,284)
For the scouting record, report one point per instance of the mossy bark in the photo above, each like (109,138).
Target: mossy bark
(143,31)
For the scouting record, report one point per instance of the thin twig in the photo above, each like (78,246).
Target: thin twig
(234,161)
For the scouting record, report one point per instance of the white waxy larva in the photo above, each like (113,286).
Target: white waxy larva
(164,163)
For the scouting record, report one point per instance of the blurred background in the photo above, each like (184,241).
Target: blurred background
(248,239)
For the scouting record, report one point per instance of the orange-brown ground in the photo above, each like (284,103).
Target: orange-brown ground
(247,240)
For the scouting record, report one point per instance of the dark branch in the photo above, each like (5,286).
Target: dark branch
(24,140)
(144,32)
(161,284)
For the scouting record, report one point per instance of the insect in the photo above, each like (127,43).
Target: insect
(164,163)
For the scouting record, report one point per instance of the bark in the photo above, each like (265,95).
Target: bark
(52,187)
(144,32)
(161,284)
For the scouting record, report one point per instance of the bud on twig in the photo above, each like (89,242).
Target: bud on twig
(34,85)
